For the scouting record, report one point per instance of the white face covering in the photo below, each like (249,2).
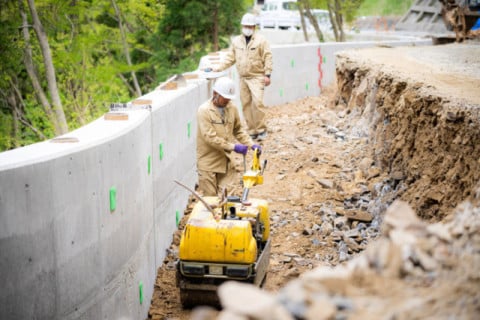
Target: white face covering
(247,32)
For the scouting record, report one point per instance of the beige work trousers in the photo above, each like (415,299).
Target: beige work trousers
(212,183)
(251,96)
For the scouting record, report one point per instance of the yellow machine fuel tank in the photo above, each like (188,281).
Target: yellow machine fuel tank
(226,236)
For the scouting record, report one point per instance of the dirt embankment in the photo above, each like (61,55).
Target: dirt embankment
(397,127)
(422,120)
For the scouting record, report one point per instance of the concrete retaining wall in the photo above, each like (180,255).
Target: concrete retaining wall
(85,221)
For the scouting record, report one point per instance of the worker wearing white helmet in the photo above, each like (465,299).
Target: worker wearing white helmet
(253,58)
(219,129)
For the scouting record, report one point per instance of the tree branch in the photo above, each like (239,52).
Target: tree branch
(138,91)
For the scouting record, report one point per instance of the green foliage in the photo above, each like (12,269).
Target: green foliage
(7,141)
(384,7)
(319,4)
(186,31)
(355,8)
(89,59)
(350,9)
(12,73)
(163,37)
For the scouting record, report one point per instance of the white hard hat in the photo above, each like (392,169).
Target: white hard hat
(248,19)
(225,87)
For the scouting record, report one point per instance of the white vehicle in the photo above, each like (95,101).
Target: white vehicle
(279,15)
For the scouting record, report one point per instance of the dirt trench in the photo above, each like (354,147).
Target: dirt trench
(397,125)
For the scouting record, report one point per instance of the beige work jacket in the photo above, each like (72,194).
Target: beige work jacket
(253,60)
(216,136)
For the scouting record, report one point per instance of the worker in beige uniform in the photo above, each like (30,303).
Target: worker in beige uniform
(219,127)
(253,58)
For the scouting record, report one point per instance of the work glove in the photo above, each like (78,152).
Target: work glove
(241,148)
(257,147)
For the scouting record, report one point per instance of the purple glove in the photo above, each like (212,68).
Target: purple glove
(241,148)
(257,147)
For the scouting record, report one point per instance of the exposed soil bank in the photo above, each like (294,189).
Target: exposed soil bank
(420,108)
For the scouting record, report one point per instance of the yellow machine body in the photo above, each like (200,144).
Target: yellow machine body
(218,238)
(258,207)
(224,239)
(252,178)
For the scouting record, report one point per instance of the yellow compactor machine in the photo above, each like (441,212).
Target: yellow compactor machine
(225,238)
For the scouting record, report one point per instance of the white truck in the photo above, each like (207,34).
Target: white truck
(279,14)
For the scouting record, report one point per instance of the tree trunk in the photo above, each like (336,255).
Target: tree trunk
(49,70)
(18,114)
(336,19)
(302,20)
(28,60)
(125,47)
(126,83)
(313,20)
(339,18)
(15,130)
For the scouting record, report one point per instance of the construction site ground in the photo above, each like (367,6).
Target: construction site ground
(398,124)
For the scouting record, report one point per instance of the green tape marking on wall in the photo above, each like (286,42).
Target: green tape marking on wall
(177,217)
(324,59)
(113,199)
(149,164)
(160,147)
(140,292)
(306,86)
(281,92)
(292,63)
(188,129)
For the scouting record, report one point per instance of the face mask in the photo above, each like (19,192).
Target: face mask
(247,32)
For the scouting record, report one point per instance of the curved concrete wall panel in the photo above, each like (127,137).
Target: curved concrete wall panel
(84,224)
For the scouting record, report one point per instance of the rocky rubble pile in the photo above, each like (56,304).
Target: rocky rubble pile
(414,270)
(348,216)
(349,232)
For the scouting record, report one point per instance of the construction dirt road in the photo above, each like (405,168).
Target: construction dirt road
(374,195)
